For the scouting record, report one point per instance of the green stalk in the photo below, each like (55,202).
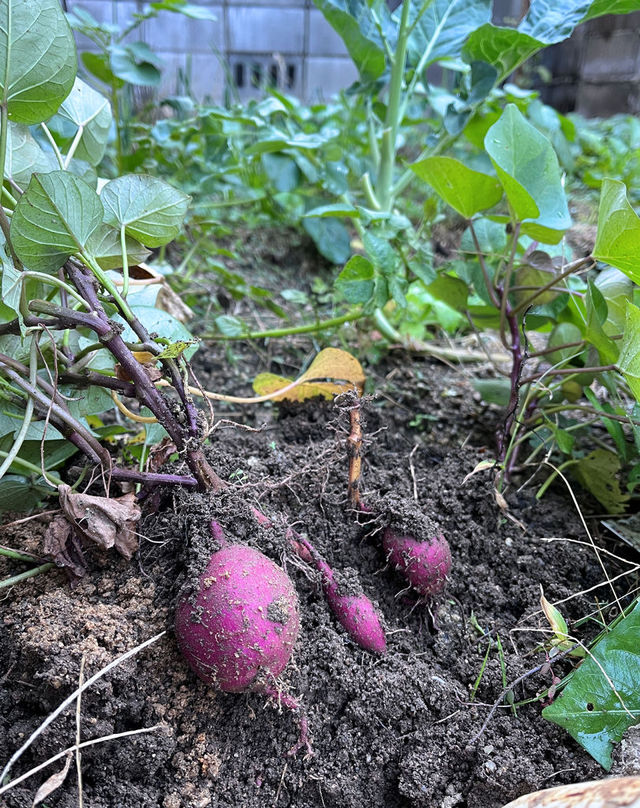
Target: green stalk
(19,555)
(312,328)
(125,262)
(108,284)
(28,411)
(392,118)
(18,461)
(16,579)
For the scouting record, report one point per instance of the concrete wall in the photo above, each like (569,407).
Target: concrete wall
(597,71)
(287,42)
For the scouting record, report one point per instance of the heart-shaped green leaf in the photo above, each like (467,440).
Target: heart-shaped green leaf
(37,58)
(150,210)
(589,707)
(24,156)
(466,190)
(356,281)
(54,219)
(618,237)
(528,169)
(104,246)
(91,112)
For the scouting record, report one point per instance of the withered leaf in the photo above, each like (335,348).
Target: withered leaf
(52,783)
(107,521)
(63,546)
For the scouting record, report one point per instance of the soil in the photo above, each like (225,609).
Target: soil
(393,731)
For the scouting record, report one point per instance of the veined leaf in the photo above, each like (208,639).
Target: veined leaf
(55,218)
(528,169)
(104,246)
(330,363)
(354,22)
(91,112)
(597,473)
(356,281)
(150,209)
(590,706)
(24,156)
(443,28)
(600,7)
(618,236)
(37,58)
(466,190)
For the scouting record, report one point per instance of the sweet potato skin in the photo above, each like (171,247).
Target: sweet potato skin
(425,564)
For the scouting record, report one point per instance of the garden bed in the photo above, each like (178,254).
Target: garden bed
(391,731)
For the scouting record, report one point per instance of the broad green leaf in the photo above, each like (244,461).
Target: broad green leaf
(503,48)
(37,59)
(356,281)
(466,190)
(600,7)
(528,169)
(589,708)
(230,326)
(493,391)
(597,472)
(91,112)
(443,28)
(136,64)
(104,246)
(54,219)
(564,334)
(11,421)
(492,238)
(629,359)
(354,22)
(331,238)
(618,236)
(12,288)
(546,23)
(19,493)
(150,210)
(24,156)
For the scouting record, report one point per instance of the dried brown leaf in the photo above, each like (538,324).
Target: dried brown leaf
(107,521)
(63,546)
(52,783)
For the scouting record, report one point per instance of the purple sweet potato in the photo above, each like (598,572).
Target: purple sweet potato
(425,564)
(239,631)
(355,612)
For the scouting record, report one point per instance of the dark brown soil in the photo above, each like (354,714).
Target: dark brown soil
(391,731)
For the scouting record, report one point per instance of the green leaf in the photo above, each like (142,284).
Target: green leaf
(597,312)
(24,156)
(91,112)
(616,289)
(547,22)
(493,391)
(443,28)
(354,22)
(597,472)
(150,209)
(356,281)
(331,238)
(618,236)
(600,7)
(230,326)
(528,169)
(588,708)
(37,59)
(54,219)
(466,190)
(18,493)
(337,210)
(104,246)
(629,359)
(503,48)
(136,64)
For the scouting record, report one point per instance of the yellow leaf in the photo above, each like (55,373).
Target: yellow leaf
(143,357)
(330,363)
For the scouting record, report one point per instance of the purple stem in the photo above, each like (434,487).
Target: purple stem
(517,363)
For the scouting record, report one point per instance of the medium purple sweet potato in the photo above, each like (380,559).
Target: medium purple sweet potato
(239,631)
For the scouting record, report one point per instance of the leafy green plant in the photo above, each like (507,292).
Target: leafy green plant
(121,63)
(75,330)
(518,279)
